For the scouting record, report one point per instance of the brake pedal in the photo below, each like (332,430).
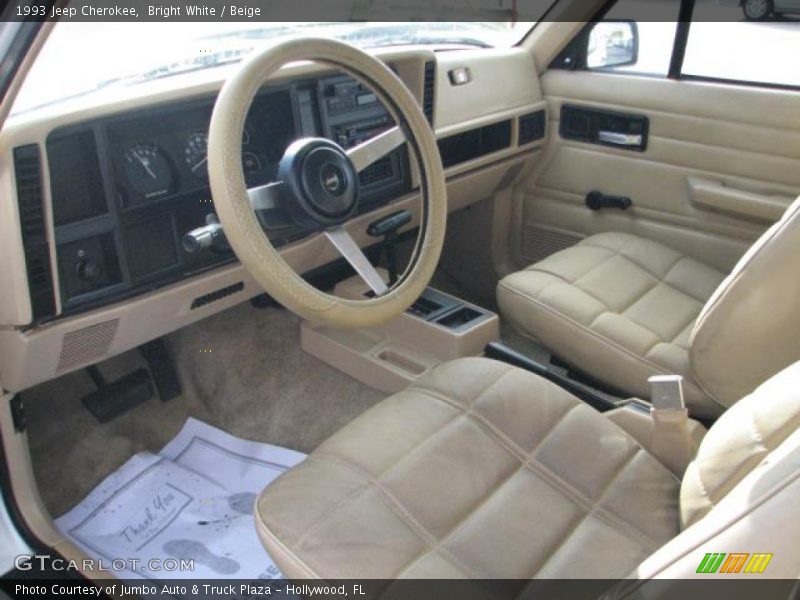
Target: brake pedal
(111,400)
(162,369)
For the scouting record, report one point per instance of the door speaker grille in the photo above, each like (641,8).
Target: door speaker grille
(539,242)
(87,345)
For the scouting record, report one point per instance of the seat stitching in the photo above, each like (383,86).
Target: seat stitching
(341,462)
(427,537)
(595,267)
(590,332)
(583,501)
(684,326)
(462,412)
(611,254)
(603,303)
(675,287)
(641,265)
(612,344)
(593,509)
(396,506)
(393,504)
(493,430)
(672,342)
(321,518)
(417,559)
(483,501)
(483,390)
(564,280)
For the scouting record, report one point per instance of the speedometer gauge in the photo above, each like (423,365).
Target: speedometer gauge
(195,154)
(148,171)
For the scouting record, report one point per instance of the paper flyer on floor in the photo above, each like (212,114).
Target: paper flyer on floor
(190,504)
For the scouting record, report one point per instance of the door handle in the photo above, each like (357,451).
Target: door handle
(620,139)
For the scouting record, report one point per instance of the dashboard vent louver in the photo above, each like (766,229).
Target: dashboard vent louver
(28,171)
(531,127)
(475,143)
(429,90)
(217,295)
(377,171)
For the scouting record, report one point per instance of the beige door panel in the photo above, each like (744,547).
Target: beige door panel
(722,163)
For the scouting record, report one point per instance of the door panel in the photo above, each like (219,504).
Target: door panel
(721,163)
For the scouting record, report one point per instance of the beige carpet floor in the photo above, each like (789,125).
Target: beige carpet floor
(242,370)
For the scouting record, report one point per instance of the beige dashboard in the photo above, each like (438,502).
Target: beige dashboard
(502,86)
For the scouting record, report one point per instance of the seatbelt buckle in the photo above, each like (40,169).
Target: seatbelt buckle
(670,437)
(666,392)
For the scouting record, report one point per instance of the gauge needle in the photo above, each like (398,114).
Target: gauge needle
(197,166)
(146,165)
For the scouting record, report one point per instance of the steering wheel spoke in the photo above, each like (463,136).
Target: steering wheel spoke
(266,197)
(376,148)
(353,254)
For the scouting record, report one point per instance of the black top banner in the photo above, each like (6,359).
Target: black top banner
(276,10)
(356,10)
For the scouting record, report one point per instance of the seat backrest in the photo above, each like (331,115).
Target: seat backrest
(740,440)
(741,494)
(750,327)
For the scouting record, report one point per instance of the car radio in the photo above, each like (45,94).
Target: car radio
(348,135)
(345,94)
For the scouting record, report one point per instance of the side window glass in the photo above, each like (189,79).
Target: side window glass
(755,44)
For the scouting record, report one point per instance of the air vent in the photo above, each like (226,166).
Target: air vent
(27,167)
(377,171)
(218,295)
(475,143)
(87,345)
(531,127)
(428,95)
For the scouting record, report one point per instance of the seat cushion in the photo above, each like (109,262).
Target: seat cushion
(478,470)
(618,307)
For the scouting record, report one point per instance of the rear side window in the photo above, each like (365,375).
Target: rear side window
(749,52)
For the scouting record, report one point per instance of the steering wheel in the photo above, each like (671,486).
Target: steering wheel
(317,184)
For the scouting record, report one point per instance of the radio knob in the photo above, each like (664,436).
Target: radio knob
(88,270)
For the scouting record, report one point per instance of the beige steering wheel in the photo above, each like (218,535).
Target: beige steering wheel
(318,184)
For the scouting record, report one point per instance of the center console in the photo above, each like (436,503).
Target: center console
(438,327)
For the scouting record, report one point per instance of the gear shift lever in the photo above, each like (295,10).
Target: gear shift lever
(387,229)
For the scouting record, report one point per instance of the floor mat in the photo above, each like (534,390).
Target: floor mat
(190,504)
(257,383)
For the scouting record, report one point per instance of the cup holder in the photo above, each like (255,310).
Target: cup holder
(458,318)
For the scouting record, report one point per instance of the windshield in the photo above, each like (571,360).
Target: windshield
(79,58)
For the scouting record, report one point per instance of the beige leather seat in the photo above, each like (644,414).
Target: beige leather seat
(622,308)
(481,470)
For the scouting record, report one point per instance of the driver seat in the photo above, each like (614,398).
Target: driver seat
(482,470)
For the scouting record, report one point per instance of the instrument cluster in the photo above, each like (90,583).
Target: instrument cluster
(166,156)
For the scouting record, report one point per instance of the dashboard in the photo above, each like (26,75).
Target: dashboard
(103,188)
(126,189)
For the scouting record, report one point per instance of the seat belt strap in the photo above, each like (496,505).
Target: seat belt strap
(671,441)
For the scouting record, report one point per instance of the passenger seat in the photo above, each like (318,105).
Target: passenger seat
(622,308)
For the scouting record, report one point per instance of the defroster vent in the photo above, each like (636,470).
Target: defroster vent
(28,170)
